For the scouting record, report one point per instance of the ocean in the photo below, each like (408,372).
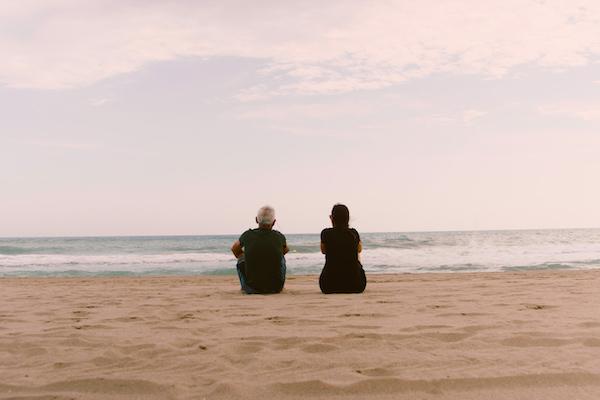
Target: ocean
(383,253)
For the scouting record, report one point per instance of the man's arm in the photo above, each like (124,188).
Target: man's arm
(359,247)
(237,249)
(286,249)
(323,250)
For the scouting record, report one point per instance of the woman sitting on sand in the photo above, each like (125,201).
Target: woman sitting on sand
(342,272)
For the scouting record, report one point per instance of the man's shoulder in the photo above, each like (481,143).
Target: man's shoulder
(280,236)
(246,233)
(276,232)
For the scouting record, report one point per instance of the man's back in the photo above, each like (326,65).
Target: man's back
(263,250)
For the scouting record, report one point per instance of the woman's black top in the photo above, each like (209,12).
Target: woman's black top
(342,272)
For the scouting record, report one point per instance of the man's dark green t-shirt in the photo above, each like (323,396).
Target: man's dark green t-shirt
(263,251)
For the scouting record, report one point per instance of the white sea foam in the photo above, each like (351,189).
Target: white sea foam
(383,252)
(114,259)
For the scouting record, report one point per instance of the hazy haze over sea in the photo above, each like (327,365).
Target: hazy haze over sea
(383,253)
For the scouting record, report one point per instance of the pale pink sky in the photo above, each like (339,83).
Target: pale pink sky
(185,117)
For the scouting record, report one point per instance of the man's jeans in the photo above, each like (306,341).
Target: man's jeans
(241,270)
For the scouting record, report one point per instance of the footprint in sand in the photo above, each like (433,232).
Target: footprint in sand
(528,341)
(589,324)
(250,347)
(98,326)
(463,314)
(592,342)
(375,372)
(105,387)
(280,320)
(447,337)
(360,326)
(538,306)
(437,306)
(424,328)
(366,315)
(186,316)
(318,348)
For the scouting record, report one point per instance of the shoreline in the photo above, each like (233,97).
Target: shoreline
(233,274)
(468,335)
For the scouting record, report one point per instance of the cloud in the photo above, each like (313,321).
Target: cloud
(458,117)
(469,116)
(307,47)
(307,112)
(572,109)
(99,102)
(61,145)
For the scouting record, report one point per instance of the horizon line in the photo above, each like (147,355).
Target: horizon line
(292,233)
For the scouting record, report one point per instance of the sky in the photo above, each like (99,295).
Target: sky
(184,117)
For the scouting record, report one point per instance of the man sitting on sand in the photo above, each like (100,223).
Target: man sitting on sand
(260,253)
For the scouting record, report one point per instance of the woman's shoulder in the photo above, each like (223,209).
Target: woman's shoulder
(326,232)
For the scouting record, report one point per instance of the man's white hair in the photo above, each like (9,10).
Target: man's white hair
(265,215)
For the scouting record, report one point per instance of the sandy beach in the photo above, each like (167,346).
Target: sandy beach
(529,335)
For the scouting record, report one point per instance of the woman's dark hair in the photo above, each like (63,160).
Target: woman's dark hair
(340,216)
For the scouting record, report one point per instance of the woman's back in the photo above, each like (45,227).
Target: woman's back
(342,248)
(342,272)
